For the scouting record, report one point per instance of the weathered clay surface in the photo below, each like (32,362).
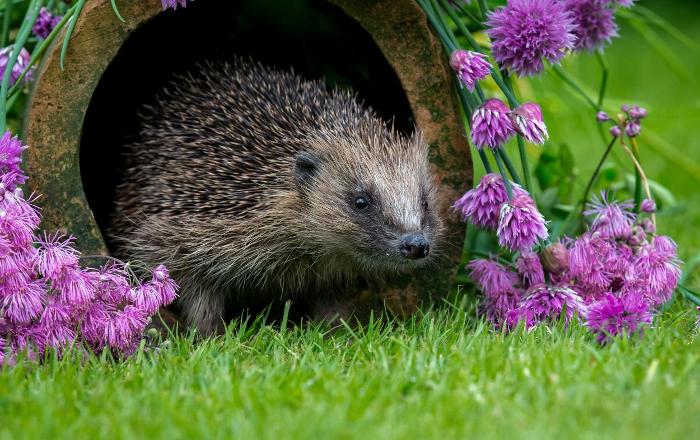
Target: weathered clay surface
(61,97)
(55,115)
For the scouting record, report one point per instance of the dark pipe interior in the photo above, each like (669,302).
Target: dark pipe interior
(314,38)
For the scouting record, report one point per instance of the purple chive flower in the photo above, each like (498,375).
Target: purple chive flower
(19,66)
(56,312)
(615,131)
(530,268)
(45,23)
(614,315)
(648,206)
(11,149)
(612,219)
(47,301)
(76,286)
(525,31)
(95,323)
(55,254)
(147,298)
(498,308)
(657,270)
(482,204)
(602,117)
(587,263)
(637,112)
(493,278)
(470,67)
(665,245)
(632,129)
(23,303)
(520,224)
(124,326)
(172,4)
(648,226)
(164,285)
(594,23)
(546,304)
(491,124)
(527,121)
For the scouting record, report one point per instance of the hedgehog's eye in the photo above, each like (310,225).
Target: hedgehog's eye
(361,203)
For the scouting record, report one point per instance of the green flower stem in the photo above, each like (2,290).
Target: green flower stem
(643,182)
(604,78)
(595,174)
(690,296)
(504,86)
(484,9)
(475,46)
(521,142)
(574,213)
(22,35)
(485,160)
(571,83)
(524,163)
(437,25)
(69,30)
(637,178)
(479,92)
(511,169)
(460,25)
(40,49)
(116,11)
(14,2)
(471,16)
(6,23)
(501,169)
(467,108)
(444,31)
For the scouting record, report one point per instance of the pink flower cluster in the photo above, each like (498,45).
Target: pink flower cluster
(614,276)
(518,223)
(629,119)
(493,123)
(47,300)
(525,33)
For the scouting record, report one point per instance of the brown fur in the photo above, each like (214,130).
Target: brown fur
(220,190)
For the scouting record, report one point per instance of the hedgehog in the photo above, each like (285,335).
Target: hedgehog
(254,185)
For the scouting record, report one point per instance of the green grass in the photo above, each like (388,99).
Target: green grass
(444,375)
(441,376)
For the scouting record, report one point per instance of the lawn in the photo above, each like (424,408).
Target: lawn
(441,375)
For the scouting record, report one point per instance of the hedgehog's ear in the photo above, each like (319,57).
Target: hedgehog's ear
(306,166)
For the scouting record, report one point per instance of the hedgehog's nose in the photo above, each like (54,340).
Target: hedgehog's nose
(414,246)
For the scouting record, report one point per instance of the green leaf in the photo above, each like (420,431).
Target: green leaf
(548,168)
(567,173)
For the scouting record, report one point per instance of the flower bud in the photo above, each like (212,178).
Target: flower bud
(615,131)
(632,129)
(637,237)
(637,112)
(602,117)
(555,258)
(648,206)
(648,226)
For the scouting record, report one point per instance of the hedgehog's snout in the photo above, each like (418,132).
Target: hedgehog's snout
(414,246)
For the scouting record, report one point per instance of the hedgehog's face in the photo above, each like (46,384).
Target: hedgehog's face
(374,205)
